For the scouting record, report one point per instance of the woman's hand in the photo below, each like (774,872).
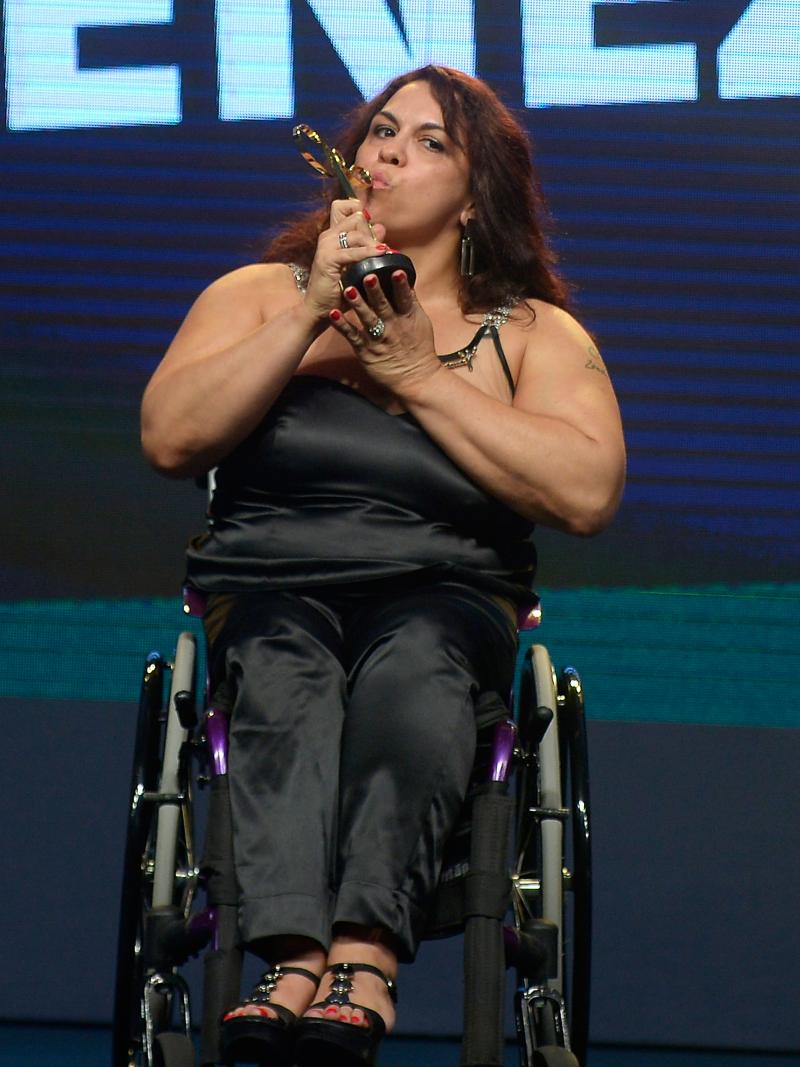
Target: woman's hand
(395,345)
(335,253)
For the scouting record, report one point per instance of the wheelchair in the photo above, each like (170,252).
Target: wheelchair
(516,877)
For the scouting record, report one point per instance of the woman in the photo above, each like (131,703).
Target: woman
(370,534)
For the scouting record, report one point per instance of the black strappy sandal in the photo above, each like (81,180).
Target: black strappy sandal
(263,1039)
(333,1043)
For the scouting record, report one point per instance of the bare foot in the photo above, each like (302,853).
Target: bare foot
(369,991)
(292,991)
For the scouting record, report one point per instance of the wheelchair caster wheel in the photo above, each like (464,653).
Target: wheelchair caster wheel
(173,1050)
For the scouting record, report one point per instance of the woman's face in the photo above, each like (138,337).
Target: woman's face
(420,177)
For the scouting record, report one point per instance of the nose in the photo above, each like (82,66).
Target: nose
(391,152)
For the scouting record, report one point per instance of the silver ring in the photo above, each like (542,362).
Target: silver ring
(377,328)
(343,239)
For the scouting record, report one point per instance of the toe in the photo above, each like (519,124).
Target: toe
(250,1009)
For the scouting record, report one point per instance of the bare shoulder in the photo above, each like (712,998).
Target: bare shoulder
(245,297)
(564,375)
(229,309)
(253,283)
(546,322)
(555,339)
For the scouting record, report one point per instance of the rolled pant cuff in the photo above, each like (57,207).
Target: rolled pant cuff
(285,914)
(367,904)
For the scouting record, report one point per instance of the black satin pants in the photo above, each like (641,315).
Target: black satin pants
(352,741)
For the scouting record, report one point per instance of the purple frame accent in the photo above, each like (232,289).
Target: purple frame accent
(206,921)
(529,618)
(505,737)
(216,731)
(194,602)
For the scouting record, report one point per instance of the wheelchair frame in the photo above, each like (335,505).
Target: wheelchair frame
(547,888)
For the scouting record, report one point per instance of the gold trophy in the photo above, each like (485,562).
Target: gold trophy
(334,166)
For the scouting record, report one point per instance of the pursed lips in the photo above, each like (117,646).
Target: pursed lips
(379,181)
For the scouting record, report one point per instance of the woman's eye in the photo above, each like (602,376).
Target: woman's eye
(433,144)
(383,131)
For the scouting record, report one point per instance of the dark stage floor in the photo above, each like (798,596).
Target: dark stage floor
(30,1045)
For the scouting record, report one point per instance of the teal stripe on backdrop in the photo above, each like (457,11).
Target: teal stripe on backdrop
(84,649)
(722,654)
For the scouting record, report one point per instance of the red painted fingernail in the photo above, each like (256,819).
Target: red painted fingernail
(351,292)
(382,248)
(367,215)
(335,315)
(399,276)
(370,281)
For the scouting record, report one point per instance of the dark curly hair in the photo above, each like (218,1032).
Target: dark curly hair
(513,256)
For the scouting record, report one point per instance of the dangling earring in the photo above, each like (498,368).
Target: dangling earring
(468,250)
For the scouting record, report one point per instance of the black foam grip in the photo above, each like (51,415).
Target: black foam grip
(222,976)
(484,952)
(486,894)
(484,994)
(217,866)
(488,890)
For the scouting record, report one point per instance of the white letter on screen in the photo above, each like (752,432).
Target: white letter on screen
(46,88)
(254,56)
(761,54)
(563,67)
(371,46)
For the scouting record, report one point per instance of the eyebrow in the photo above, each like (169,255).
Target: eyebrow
(422,125)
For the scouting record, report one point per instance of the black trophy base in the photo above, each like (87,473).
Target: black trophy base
(384,267)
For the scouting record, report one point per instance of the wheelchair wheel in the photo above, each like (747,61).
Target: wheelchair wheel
(552,790)
(572,726)
(158,869)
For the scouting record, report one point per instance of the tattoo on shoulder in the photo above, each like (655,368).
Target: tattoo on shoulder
(595,361)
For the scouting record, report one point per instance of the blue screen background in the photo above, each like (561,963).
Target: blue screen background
(677,222)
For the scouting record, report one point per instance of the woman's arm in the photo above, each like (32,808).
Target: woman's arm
(242,340)
(556,456)
(224,369)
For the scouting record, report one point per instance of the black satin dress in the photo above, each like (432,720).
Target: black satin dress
(332,490)
(356,576)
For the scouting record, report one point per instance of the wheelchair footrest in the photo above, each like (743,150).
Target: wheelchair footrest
(169,939)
